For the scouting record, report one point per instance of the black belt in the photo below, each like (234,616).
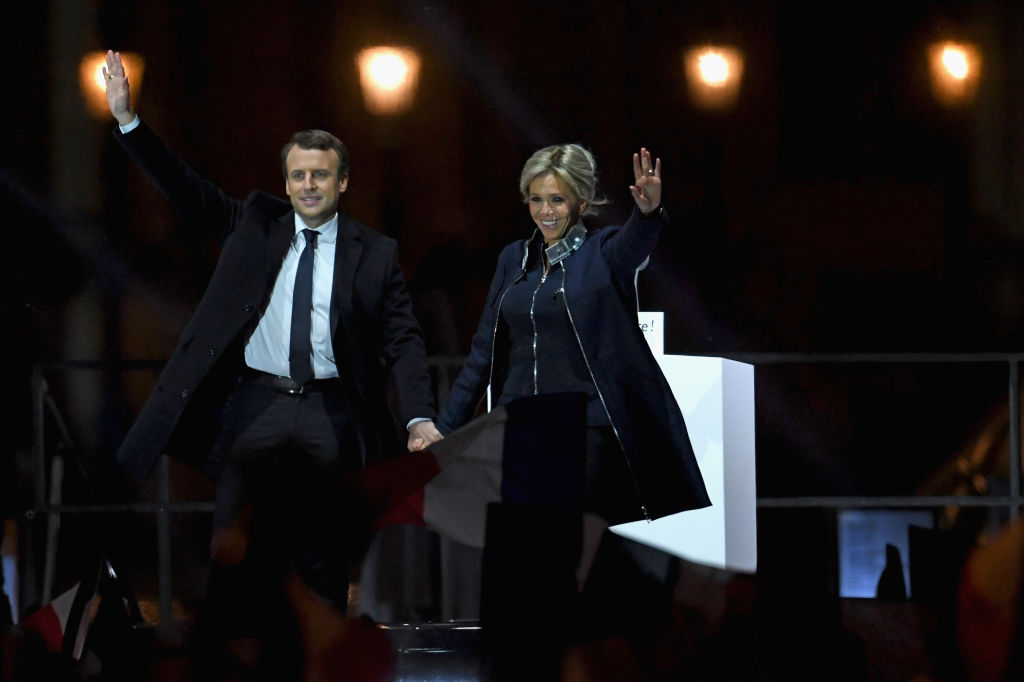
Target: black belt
(287,384)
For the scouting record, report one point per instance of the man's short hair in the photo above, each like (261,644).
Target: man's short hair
(317,139)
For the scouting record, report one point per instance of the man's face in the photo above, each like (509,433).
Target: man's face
(313,184)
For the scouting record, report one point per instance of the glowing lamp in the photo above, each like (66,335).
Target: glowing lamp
(388,76)
(94,89)
(713,75)
(955,69)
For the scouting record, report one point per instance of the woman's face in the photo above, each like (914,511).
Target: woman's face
(552,206)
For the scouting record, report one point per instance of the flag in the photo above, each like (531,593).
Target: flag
(527,452)
(70,614)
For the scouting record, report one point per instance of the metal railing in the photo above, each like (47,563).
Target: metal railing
(47,504)
(1012,501)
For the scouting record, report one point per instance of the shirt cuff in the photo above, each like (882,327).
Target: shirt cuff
(417,419)
(131,126)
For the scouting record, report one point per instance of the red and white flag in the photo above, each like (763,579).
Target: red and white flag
(529,452)
(69,612)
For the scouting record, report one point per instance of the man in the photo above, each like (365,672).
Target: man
(305,309)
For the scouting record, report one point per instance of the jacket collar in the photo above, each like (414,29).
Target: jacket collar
(561,249)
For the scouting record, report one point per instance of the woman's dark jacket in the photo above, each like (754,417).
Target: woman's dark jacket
(600,293)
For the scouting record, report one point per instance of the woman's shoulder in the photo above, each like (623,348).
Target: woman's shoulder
(514,247)
(513,252)
(598,236)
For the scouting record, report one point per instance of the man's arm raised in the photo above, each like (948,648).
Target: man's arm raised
(196,200)
(118,96)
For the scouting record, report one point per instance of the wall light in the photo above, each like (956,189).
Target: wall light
(955,70)
(94,90)
(713,75)
(388,76)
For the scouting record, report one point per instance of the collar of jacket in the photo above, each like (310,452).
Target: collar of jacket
(561,249)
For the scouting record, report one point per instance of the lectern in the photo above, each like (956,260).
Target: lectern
(716,397)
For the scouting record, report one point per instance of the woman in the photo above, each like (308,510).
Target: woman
(561,315)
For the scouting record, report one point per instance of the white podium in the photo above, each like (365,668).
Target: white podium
(716,397)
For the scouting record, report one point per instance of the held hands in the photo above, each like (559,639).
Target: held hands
(422,435)
(118,98)
(646,189)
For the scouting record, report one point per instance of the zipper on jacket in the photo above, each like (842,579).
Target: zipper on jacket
(586,361)
(629,465)
(533,321)
(494,332)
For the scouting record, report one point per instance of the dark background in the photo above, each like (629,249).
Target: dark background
(839,207)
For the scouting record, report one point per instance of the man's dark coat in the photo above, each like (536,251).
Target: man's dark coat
(373,329)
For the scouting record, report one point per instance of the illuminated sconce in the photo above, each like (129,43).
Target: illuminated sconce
(955,68)
(713,75)
(388,76)
(94,89)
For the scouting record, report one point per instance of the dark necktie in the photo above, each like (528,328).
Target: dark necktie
(301,348)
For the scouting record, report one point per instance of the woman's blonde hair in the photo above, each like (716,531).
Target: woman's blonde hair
(573,164)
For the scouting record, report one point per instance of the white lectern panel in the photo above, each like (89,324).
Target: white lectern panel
(716,397)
